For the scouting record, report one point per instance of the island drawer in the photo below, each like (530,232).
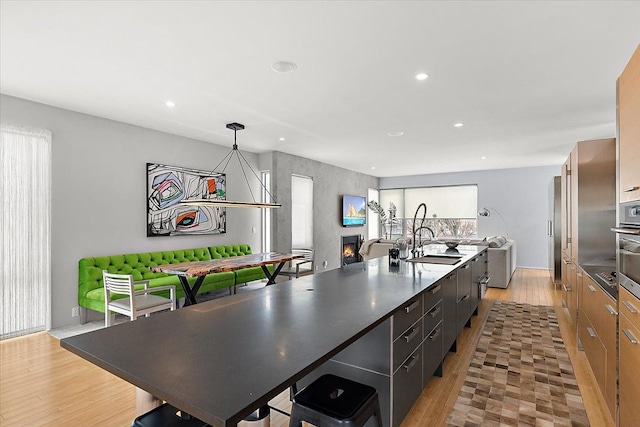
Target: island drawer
(407,386)
(432,295)
(432,353)
(406,344)
(407,315)
(432,317)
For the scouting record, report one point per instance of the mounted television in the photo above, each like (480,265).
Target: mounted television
(354,211)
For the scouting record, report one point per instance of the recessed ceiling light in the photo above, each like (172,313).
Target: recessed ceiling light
(395,133)
(170,104)
(484,157)
(281,139)
(422,76)
(373,167)
(283,67)
(459,125)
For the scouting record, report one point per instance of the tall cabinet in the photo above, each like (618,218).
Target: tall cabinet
(588,212)
(629,175)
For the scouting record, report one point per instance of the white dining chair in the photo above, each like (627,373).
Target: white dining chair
(138,302)
(300,266)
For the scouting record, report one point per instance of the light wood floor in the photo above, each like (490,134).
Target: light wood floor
(42,384)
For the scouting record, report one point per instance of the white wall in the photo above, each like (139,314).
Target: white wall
(99,190)
(520,195)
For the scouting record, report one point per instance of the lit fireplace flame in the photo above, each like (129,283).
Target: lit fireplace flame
(348,252)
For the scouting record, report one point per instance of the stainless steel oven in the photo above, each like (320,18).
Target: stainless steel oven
(629,247)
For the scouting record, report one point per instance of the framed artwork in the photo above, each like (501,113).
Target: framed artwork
(169,186)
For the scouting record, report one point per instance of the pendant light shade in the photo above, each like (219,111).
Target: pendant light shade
(244,166)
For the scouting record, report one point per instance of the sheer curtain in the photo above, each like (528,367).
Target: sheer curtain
(301,212)
(25,224)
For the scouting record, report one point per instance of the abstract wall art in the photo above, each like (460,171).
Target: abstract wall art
(169,186)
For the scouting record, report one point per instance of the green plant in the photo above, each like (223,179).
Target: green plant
(375,207)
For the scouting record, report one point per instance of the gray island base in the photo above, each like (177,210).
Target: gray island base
(389,327)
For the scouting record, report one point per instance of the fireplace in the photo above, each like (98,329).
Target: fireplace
(350,248)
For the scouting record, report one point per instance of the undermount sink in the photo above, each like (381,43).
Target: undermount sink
(445,255)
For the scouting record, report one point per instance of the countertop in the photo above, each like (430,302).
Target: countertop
(220,360)
(607,267)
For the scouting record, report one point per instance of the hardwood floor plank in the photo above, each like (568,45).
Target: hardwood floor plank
(42,384)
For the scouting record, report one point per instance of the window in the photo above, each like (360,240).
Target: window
(301,212)
(451,210)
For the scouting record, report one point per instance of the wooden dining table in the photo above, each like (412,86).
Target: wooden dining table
(200,269)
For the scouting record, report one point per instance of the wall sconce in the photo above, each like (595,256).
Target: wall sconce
(486,211)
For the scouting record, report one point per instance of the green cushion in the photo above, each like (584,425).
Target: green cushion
(91,290)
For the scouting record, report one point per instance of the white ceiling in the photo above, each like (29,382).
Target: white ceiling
(527,79)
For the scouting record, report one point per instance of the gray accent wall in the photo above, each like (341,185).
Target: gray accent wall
(329,184)
(520,195)
(99,190)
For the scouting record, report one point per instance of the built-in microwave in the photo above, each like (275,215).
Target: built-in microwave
(629,247)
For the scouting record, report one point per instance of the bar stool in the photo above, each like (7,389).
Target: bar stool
(166,415)
(335,401)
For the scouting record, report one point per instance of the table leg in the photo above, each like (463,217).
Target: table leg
(189,292)
(271,278)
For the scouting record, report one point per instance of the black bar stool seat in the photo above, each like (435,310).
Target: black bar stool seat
(335,401)
(165,415)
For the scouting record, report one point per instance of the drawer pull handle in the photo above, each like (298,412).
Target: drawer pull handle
(435,311)
(464,267)
(411,335)
(435,334)
(630,306)
(485,280)
(411,364)
(464,297)
(591,332)
(565,262)
(630,336)
(630,189)
(591,288)
(412,306)
(436,289)
(566,288)
(610,309)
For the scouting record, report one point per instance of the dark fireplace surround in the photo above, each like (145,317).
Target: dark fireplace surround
(350,249)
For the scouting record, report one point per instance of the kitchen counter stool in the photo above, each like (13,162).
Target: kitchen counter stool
(335,401)
(166,415)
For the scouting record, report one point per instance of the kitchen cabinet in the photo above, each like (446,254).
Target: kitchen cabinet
(597,323)
(463,295)
(565,208)
(480,278)
(588,209)
(628,103)
(450,295)
(629,336)
(569,290)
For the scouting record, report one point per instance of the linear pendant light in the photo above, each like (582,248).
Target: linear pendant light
(235,203)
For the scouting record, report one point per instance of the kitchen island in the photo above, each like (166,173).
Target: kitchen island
(222,359)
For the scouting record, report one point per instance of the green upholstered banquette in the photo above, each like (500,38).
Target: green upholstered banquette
(91,289)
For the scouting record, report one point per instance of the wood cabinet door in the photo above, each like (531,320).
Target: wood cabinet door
(629,373)
(629,129)
(573,213)
(565,208)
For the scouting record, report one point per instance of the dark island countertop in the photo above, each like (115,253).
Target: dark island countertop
(222,359)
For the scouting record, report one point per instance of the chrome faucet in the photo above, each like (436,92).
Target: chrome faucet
(416,230)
